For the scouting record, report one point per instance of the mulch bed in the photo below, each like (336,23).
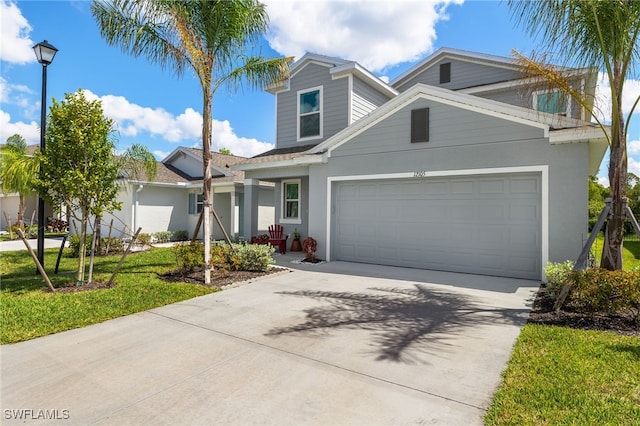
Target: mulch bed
(219,278)
(543,313)
(94,285)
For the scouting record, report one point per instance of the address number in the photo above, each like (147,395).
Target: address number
(420,173)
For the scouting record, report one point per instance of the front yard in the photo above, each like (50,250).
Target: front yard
(29,310)
(569,376)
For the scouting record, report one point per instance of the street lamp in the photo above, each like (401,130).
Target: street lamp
(44,53)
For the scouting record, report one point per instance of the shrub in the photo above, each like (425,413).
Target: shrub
(74,245)
(255,257)
(557,274)
(111,245)
(143,239)
(189,256)
(181,235)
(162,236)
(29,231)
(600,290)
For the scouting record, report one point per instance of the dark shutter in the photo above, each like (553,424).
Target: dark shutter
(420,125)
(445,73)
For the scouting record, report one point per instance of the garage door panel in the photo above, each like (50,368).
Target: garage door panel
(489,225)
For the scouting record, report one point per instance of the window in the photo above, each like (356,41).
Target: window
(445,73)
(310,113)
(195,203)
(420,125)
(290,201)
(551,101)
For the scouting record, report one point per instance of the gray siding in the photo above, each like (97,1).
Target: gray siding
(364,99)
(463,74)
(334,105)
(465,140)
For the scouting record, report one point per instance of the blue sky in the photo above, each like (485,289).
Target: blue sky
(153,107)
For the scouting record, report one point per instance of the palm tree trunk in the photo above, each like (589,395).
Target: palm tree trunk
(206,184)
(614,232)
(21,209)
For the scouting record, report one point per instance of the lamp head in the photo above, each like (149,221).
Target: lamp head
(45,52)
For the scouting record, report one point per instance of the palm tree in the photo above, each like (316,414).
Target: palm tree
(603,35)
(209,36)
(17,170)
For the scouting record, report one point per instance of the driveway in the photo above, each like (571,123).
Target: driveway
(336,343)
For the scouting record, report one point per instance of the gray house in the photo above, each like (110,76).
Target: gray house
(172,201)
(457,165)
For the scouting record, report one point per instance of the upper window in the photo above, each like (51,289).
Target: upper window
(310,113)
(290,201)
(420,125)
(445,72)
(551,101)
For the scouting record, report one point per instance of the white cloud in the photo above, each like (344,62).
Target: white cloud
(160,155)
(21,95)
(633,147)
(377,34)
(603,97)
(134,121)
(15,44)
(634,166)
(29,131)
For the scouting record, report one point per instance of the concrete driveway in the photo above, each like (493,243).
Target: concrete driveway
(338,343)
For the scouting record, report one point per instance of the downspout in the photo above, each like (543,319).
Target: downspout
(135,207)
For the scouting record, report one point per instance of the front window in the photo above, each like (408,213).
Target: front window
(552,102)
(291,201)
(310,113)
(195,203)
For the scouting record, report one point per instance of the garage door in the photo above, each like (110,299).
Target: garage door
(487,225)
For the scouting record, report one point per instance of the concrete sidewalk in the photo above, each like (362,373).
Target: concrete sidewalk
(339,343)
(19,245)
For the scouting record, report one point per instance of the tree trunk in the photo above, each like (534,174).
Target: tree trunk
(206,184)
(614,232)
(21,209)
(83,249)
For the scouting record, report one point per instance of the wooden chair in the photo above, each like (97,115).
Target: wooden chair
(277,238)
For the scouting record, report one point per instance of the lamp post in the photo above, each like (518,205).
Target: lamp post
(44,53)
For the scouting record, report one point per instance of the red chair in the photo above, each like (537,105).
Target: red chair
(277,238)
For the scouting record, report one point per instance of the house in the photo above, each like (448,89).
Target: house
(172,201)
(459,164)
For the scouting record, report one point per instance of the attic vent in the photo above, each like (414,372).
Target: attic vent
(420,125)
(445,73)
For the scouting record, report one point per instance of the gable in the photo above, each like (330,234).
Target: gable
(450,128)
(464,73)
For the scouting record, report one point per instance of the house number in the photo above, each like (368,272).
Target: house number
(420,173)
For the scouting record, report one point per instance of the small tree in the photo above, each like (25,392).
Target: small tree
(78,167)
(225,151)
(18,170)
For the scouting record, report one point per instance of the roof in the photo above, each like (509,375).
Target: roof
(339,68)
(168,174)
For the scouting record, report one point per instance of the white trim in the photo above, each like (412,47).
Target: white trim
(350,100)
(290,220)
(320,112)
(544,202)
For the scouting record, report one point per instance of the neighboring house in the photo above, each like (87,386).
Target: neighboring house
(9,203)
(172,201)
(457,165)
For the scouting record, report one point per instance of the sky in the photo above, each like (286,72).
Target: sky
(153,107)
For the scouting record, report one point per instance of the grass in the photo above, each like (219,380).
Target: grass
(630,252)
(561,376)
(29,310)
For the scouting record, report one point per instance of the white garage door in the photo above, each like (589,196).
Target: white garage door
(487,225)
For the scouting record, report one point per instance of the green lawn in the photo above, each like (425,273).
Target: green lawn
(560,376)
(29,310)
(630,252)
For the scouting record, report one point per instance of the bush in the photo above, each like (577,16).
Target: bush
(180,235)
(143,239)
(29,231)
(557,274)
(600,290)
(162,236)
(111,245)
(255,257)
(189,256)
